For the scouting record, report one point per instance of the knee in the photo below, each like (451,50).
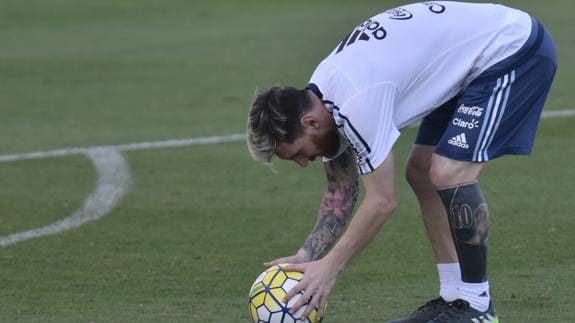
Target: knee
(417,173)
(444,172)
(441,175)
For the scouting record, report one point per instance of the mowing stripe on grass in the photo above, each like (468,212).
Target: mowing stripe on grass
(114,177)
(180,143)
(113,182)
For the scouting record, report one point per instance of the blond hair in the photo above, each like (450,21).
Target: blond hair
(274,117)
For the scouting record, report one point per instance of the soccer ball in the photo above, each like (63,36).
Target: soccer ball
(267,292)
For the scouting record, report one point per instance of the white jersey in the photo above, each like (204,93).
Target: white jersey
(398,66)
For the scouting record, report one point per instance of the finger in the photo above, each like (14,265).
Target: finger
(310,306)
(303,300)
(294,290)
(296,267)
(321,307)
(270,263)
(275,262)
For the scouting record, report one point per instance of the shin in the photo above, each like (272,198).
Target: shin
(468,217)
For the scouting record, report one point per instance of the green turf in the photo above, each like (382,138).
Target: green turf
(187,241)
(37,192)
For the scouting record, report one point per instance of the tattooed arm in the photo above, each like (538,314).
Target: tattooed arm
(320,275)
(336,207)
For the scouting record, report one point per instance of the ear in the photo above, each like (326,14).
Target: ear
(309,121)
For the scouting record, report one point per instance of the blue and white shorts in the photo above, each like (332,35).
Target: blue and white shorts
(499,112)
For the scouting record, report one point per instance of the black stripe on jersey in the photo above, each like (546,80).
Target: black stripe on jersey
(369,167)
(353,37)
(369,164)
(315,89)
(355,132)
(343,43)
(312,87)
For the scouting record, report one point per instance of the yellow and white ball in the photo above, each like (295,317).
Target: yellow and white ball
(267,292)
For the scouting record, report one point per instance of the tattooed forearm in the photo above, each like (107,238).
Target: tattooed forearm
(336,206)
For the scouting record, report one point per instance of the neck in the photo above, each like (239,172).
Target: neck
(324,116)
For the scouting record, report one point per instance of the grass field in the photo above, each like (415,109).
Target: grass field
(186,241)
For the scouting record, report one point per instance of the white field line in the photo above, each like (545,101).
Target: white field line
(181,142)
(113,182)
(114,177)
(558,113)
(124,147)
(562,113)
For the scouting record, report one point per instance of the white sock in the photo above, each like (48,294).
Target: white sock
(476,294)
(449,280)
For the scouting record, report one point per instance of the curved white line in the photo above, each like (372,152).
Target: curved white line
(122,147)
(114,177)
(112,184)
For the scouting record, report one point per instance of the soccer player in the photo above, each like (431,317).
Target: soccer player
(476,74)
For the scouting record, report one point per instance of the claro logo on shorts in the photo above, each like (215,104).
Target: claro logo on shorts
(465,124)
(471,111)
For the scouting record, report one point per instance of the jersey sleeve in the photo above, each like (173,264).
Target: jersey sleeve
(367,122)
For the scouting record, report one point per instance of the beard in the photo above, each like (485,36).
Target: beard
(327,143)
